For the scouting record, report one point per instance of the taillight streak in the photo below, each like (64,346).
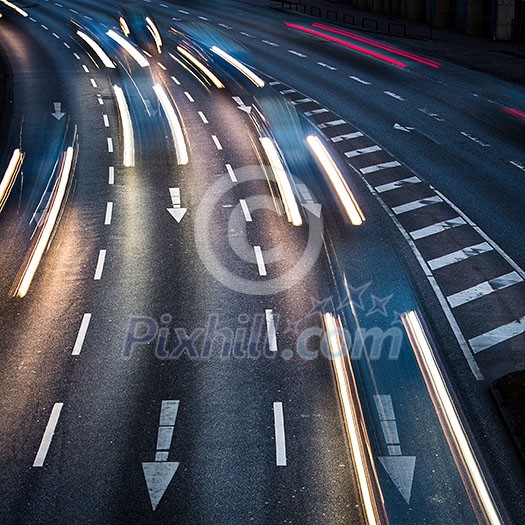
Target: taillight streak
(347,44)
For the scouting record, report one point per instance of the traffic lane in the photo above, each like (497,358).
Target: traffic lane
(423,159)
(192,317)
(40,132)
(134,211)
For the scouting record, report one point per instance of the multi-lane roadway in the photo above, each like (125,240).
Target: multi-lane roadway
(254,269)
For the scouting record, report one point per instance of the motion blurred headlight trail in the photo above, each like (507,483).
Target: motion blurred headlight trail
(353,416)
(127,127)
(283,182)
(347,44)
(259,82)
(173,121)
(14,7)
(97,49)
(346,197)
(461,449)
(124,26)
(154,33)
(50,219)
(380,45)
(122,42)
(206,71)
(8,180)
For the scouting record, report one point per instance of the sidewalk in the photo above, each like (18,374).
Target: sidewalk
(502,59)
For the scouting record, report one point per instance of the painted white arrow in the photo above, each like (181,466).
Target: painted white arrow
(407,129)
(307,200)
(241,105)
(159,473)
(401,471)
(400,468)
(176,211)
(58,110)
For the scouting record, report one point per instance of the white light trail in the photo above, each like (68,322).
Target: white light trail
(338,182)
(127,127)
(136,55)
(461,448)
(283,182)
(259,82)
(97,49)
(51,217)
(173,121)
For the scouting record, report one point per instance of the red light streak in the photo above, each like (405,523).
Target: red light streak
(347,44)
(385,47)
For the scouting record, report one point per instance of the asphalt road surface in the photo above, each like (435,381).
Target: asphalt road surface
(280,300)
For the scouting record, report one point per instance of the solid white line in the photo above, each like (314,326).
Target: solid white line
(106,120)
(483,289)
(260,260)
(164,437)
(497,335)
(168,412)
(110,145)
(415,205)
(438,227)
(460,255)
(280,441)
(231,173)
(301,101)
(378,167)
(393,95)
(245,210)
(100,265)
(93,83)
(81,334)
(216,142)
(109,213)
(384,407)
(362,151)
(203,117)
(48,435)
(397,184)
(270,327)
(315,112)
(361,81)
(189,97)
(111,175)
(332,123)
(346,136)
(296,53)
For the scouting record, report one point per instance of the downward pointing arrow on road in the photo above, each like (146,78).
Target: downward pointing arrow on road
(176,211)
(58,110)
(401,471)
(158,475)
